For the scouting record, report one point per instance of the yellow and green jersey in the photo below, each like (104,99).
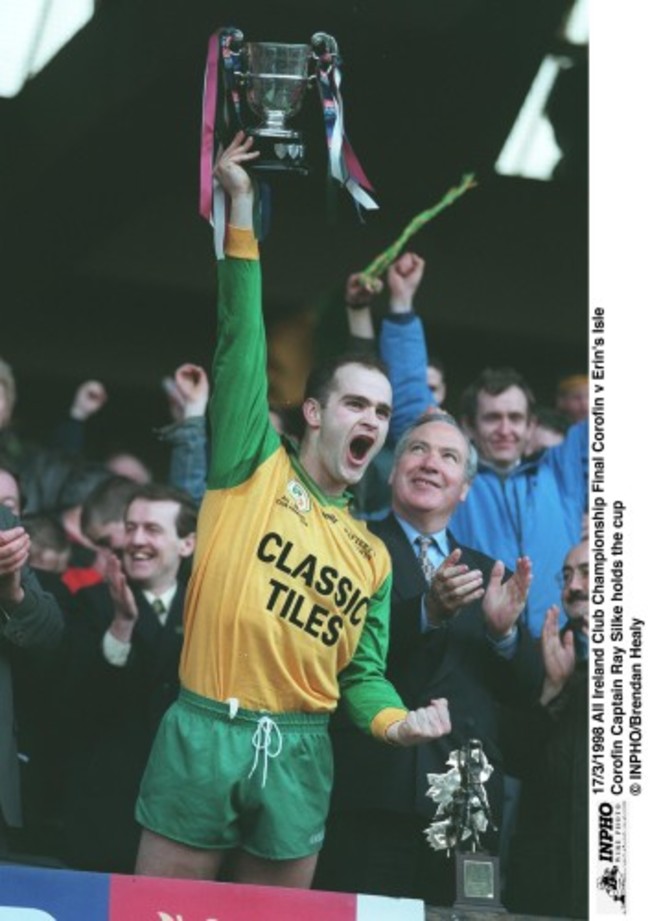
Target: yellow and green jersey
(289,598)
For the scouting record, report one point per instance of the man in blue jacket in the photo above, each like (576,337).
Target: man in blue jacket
(520,505)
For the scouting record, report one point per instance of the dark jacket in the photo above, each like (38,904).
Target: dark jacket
(26,630)
(552,825)
(112,714)
(455,661)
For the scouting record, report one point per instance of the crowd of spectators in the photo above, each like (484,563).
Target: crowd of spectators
(480,515)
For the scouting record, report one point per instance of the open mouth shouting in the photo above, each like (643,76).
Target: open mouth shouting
(359,450)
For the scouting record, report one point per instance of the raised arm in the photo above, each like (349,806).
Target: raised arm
(188,392)
(241,435)
(358,298)
(402,345)
(70,435)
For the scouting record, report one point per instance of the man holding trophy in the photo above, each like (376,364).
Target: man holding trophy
(287,607)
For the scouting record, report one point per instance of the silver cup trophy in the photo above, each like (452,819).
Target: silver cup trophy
(264,87)
(275,85)
(259,88)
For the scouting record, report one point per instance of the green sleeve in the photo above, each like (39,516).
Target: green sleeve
(241,434)
(363,685)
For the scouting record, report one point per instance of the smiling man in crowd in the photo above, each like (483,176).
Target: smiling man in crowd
(519,505)
(122,651)
(287,606)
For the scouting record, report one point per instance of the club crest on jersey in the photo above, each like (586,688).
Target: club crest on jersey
(299,495)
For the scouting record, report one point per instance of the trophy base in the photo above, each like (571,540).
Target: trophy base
(279,154)
(477,882)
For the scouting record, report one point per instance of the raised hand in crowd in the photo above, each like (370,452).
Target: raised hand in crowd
(403,279)
(188,391)
(558,655)
(89,398)
(360,292)
(14,554)
(503,602)
(124,604)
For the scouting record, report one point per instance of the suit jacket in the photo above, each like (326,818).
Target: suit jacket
(455,661)
(26,629)
(112,714)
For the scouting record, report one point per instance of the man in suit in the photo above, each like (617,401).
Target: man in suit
(454,632)
(30,621)
(122,651)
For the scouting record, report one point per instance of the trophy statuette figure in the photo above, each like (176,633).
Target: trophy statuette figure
(462,815)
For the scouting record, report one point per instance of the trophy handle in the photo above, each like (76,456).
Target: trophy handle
(234,38)
(325,47)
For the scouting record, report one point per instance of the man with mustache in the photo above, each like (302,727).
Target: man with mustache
(575,596)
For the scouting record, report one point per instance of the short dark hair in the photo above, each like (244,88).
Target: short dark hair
(161,492)
(82,478)
(320,381)
(46,531)
(107,502)
(494,381)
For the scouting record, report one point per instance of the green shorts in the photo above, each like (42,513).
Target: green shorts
(259,781)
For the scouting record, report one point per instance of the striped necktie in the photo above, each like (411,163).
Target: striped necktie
(427,567)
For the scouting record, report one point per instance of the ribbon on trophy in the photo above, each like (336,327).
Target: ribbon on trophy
(344,165)
(221,119)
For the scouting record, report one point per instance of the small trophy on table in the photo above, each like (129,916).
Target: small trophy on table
(463,814)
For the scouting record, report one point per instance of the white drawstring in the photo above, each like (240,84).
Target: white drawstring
(262,741)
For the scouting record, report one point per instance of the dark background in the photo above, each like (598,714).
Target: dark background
(108,271)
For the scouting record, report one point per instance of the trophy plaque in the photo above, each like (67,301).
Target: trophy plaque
(463,814)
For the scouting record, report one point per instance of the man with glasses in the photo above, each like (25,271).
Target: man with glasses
(574,581)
